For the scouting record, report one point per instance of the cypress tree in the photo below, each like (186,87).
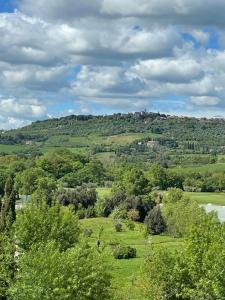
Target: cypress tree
(155,222)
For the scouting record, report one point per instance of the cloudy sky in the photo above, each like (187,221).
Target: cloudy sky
(60,57)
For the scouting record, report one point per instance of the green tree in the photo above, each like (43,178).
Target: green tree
(26,181)
(41,223)
(158,281)
(181,215)
(200,272)
(154,221)
(44,272)
(135,183)
(7,264)
(57,163)
(45,190)
(157,176)
(8,212)
(194,272)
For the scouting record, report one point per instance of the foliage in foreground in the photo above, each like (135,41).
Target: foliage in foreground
(47,273)
(195,273)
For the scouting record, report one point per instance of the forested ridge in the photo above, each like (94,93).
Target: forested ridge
(177,128)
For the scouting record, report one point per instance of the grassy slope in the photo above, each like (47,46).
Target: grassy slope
(205,198)
(78,144)
(126,271)
(9,149)
(201,169)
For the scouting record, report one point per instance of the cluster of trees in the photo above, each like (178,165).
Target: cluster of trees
(164,178)
(58,168)
(43,254)
(82,200)
(207,182)
(132,191)
(195,271)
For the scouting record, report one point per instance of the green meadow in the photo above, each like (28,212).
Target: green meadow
(217,167)
(126,273)
(12,149)
(205,198)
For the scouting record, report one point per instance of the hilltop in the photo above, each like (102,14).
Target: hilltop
(120,134)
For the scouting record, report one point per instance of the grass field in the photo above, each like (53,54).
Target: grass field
(91,140)
(201,169)
(103,192)
(205,198)
(80,144)
(126,274)
(201,198)
(11,149)
(106,157)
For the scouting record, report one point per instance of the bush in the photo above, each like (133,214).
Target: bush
(118,226)
(88,232)
(124,252)
(119,213)
(133,215)
(130,225)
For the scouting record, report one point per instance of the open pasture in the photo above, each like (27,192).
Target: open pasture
(126,273)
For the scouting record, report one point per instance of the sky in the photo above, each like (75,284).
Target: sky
(60,57)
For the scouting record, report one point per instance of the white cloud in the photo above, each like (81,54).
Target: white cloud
(32,77)
(121,54)
(191,12)
(169,70)
(31,108)
(205,101)
(17,112)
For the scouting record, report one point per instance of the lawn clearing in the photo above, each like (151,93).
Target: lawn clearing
(126,273)
(205,198)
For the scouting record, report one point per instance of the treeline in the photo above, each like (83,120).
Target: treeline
(68,170)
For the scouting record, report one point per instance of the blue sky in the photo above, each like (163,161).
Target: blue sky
(7,6)
(103,56)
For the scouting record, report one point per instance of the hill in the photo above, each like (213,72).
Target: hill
(177,139)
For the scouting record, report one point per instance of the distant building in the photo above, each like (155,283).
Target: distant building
(29,142)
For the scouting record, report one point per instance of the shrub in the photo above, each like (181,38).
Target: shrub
(88,232)
(119,213)
(118,226)
(130,225)
(133,215)
(124,252)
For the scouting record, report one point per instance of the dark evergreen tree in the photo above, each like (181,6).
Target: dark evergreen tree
(155,222)
(8,212)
